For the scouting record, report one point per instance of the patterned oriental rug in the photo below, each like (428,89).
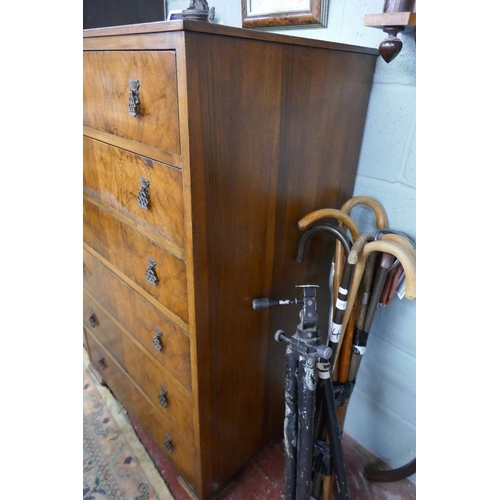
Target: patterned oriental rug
(115,464)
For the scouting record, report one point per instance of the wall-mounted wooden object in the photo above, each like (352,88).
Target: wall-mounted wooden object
(398,16)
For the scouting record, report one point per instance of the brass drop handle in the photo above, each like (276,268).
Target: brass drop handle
(162,397)
(92,320)
(168,442)
(133,98)
(143,195)
(150,273)
(157,343)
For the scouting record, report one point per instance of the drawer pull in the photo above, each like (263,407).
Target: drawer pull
(143,195)
(101,363)
(162,397)
(133,97)
(157,343)
(150,273)
(92,320)
(168,442)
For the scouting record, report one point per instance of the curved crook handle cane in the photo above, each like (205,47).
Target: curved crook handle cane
(342,219)
(381,220)
(380,213)
(330,213)
(405,256)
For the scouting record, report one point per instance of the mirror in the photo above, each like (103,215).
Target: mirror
(284,13)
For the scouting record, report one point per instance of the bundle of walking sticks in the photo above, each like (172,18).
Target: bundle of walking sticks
(367,270)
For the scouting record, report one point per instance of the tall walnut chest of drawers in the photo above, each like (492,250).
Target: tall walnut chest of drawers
(203,146)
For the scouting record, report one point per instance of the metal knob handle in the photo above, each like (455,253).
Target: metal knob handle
(133,98)
(168,442)
(157,343)
(101,363)
(150,273)
(162,397)
(143,195)
(92,320)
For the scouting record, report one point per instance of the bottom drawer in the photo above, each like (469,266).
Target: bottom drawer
(167,438)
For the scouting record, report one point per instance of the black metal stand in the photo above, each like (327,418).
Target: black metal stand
(307,361)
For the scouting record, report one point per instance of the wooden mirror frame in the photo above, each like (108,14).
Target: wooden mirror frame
(314,16)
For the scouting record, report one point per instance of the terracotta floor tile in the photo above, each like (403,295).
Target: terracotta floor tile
(263,477)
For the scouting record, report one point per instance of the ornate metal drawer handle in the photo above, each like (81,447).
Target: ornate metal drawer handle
(92,320)
(150,273)
(133,97)
(143,195)
(168,442)
(157,343)
(101,363)
(162,397)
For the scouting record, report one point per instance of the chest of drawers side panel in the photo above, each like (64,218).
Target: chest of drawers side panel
(324,104)
(272,144)
(234,99)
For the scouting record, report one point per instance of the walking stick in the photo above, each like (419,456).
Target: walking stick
(355,322)
(334,327)
(402,253)
(343,239)
(342,218)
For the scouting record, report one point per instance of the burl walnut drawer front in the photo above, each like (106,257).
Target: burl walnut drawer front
(167,343)
(146,191)
(115,103)
(164,434)
(155,270)
(161,388)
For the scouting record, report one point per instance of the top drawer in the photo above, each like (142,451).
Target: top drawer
(106,94)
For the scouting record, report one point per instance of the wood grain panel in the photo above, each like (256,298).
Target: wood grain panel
(134,401)
(271,128)
(234,185)
(129,251)
(139,318)
(145,372)
(106,94)
(113,176)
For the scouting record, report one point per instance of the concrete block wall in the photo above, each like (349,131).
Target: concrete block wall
(382,411)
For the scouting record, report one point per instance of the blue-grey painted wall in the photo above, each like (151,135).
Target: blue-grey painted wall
(382,411)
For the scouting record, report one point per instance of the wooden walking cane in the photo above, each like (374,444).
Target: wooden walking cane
(357,317)
(402,253)
(342,216)
(381,221)
(363,323)
(341,371)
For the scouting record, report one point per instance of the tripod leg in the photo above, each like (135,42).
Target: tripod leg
(307,391)
(335,440)
(290,426)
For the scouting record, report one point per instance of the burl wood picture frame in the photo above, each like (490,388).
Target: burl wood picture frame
(284,13)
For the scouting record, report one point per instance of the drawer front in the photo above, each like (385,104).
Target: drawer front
(148,192)
(155,270)
(106,95)
(168,439)
(170,347)
(170,398)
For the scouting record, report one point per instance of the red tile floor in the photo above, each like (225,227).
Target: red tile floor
(263,477)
